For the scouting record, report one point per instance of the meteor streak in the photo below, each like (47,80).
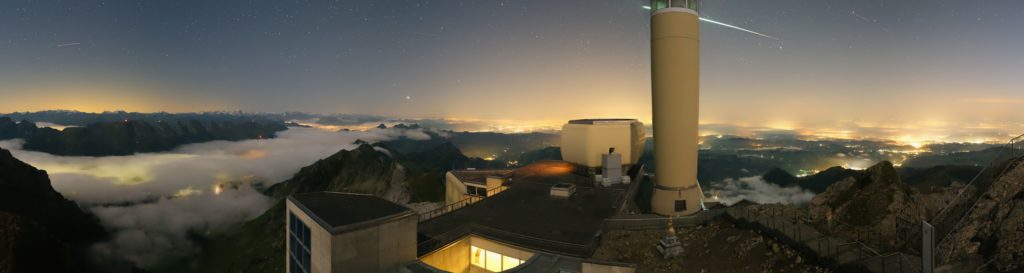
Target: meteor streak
(737,28)
(732,26)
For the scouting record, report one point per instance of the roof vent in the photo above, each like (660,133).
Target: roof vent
(563,190)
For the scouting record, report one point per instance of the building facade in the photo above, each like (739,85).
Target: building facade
(343,232)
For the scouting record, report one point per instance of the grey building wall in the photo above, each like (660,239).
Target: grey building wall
(378,248)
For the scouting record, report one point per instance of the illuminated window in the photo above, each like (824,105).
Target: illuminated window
(509,263)
(493,262)
(476,256)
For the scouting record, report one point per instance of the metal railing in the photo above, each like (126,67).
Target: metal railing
(468,201)
(628,204)
(649,222)
(793,227)
(1016,146)
(1011,154)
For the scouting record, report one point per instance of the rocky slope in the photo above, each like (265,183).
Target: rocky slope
(716,246)
(132,136)
(869,205)
(991,237)
(41,230)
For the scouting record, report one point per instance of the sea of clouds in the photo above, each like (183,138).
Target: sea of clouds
(155,202)
(755,189)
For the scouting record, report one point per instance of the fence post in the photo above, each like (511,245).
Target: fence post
(927,251)
(883,263)
(901,263)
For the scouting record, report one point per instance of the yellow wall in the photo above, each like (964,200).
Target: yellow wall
(494,182)
(452,258)
(454,190)
(584,144)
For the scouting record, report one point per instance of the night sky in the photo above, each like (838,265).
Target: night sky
(838,66)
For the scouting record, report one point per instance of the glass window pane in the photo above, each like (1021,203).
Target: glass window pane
(305,236)
(659,4)
(476,256)
(509,262)
(306,261)
(493,262)
(298,243)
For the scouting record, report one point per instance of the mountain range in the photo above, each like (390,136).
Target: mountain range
(128,137)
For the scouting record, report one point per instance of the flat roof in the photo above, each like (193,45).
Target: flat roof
(339,212)
(478,176)
(602,120)
(526,215)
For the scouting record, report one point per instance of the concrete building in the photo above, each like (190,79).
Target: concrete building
(471,185)
(345,232)
(675,78)
(549,219)
(584,141)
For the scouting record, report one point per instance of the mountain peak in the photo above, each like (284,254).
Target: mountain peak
(883,172)
(780,177)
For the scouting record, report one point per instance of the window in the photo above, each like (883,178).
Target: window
(477,256)
(509,263)
(478,191)
(680,205)
(491,261)
(660,4)
(298,245)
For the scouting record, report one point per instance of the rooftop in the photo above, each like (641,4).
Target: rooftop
(478,176)
(339,212)
(526,215)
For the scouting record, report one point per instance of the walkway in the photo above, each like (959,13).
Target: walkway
(838,253)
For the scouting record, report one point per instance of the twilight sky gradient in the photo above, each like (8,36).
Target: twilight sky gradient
(840,65)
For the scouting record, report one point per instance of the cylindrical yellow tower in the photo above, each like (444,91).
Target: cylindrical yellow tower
(675,77)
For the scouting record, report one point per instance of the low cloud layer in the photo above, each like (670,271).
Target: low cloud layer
(154,202)
(757,190)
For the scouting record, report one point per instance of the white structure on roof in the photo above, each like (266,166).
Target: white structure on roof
(584,141)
